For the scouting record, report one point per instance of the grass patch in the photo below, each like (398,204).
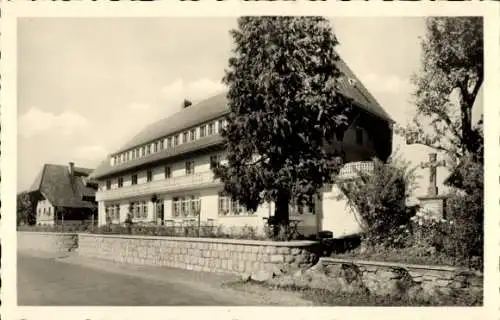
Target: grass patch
(353,248)
(411,256)
(323,297)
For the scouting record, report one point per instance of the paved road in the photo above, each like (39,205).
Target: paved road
(46,281)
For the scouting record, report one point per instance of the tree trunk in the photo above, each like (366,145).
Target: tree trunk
(466,115)
(281,212)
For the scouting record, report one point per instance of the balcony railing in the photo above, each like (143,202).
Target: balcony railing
(201,179)
(352,169)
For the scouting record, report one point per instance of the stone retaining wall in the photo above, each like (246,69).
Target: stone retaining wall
(47,241)
(259,259)
(386,278)
(283,263)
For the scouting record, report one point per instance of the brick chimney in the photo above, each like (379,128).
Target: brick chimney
(71,168)
(186,103)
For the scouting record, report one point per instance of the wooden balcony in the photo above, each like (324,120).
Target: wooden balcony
(188,182)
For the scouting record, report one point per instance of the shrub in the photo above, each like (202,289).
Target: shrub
(466,209)
(379,197)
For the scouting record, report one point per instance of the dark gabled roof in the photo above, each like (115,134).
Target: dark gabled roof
(217,106)
(206,110)
(359,93)
(60,189)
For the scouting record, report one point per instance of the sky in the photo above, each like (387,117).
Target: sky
(87,85)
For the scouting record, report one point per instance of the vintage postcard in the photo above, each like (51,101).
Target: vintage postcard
(256,158)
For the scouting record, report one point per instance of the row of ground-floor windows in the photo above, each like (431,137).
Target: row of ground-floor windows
(138,210)
(190,206)
(187,206)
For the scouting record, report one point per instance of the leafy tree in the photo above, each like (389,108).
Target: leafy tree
(284,107)
(26,209)
(447,85)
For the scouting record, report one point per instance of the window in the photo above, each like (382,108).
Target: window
(203,131)
(359,136)
(133,210)
(134,179)
(117,212)
(120,182)
(168,173)
(137,212)
(108,184)
(221,124)
(185,137)
(149,175)
(156,147)
(303,208)
(148,149)
(177,207)
(144,209)
(113,212)
(195,205)
(169,142)
(143,151)
(228,206)
(161,144)
(214,161)
(211,128)
(126,156)
(185,207)
(192,134)
(189,167)
(176,140)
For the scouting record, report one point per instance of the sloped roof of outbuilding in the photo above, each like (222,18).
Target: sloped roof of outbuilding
(61,189)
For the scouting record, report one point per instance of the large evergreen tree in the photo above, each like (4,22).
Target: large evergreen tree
(284,106)
(447,86)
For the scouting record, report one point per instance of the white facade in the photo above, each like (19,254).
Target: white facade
(44,213)
(184,186)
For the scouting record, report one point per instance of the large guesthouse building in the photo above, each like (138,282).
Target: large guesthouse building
(163,175)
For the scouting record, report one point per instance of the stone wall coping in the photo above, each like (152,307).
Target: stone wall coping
(328,260)
(51,233)
(296,243)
